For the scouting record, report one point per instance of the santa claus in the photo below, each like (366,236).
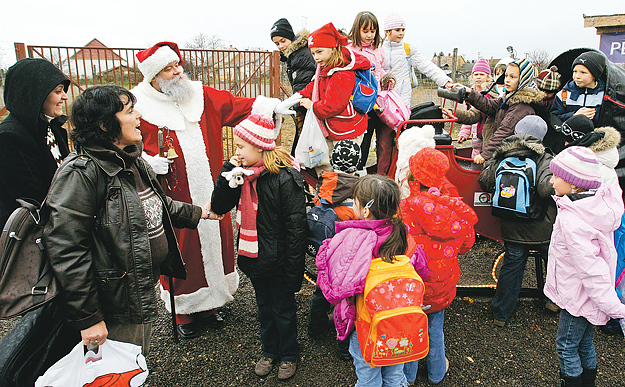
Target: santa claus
(185,118)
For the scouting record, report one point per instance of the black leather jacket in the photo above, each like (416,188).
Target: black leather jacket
(98,242)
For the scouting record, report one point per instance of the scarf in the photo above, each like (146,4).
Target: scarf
(246,213)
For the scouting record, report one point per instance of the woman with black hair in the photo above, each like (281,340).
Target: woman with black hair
(110,233)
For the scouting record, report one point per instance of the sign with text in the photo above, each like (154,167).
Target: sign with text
(613,46)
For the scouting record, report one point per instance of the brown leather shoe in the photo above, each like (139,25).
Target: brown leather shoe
(264,366)
(286,370)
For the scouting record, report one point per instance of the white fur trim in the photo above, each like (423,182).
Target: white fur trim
(203,299)
(159,109)
(264,105)
(153,64)
(410,142)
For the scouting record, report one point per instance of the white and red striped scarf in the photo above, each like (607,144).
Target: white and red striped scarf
(246,213)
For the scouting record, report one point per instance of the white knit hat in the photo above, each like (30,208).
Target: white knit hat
(257,129)
(152,60)
(394,20)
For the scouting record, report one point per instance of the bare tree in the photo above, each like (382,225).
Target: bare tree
(202,41)
(540,58)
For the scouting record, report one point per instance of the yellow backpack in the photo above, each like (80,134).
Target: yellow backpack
(390,324)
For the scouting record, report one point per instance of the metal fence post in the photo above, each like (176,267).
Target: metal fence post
(275,66)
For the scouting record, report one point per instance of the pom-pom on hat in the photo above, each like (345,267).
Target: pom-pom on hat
(578,166)
(327,36)
(593,61)
(394,20)
(549,80)
(345,156)
(532,125)
(481,65)
(428,166)
(256,129)
(283,29)
(152,60)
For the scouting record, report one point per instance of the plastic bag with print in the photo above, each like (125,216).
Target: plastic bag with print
(115,364)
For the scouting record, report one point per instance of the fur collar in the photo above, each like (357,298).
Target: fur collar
(519,145)
(160,110)
(611,139)
(301,40)
(527,95)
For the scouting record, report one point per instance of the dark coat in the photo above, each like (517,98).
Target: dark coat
(300,64)
(519,230)
(27,164)
(97,239)
(507,114)
(280,223)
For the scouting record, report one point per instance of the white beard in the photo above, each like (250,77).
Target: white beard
(178,88)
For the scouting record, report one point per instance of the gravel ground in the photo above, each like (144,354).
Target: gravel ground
(521,354)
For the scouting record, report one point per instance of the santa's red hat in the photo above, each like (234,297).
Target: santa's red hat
(326,36)
(152,60)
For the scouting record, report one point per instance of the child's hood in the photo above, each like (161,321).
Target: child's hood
(438,215)
(382,228)
(519,145)
(354,62)
(602,211)
(301,40)
(527,95)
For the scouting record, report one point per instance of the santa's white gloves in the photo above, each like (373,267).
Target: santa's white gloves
(284,107)
(159,164)
(235,176)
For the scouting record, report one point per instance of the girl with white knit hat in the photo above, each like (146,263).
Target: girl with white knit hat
(581,268)
(263,181)
(400,58)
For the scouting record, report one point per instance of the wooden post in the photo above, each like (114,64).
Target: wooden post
(275,65)
(454,65)
(20,51)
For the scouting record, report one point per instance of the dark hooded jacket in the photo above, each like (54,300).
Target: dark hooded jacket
(507,111)
(518,230)
(280,224)
(27,164)
(300,64)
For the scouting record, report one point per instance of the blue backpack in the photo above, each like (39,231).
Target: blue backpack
(365,91)
(320,227)
(515,190)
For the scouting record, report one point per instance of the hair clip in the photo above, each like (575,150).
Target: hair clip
(369,204)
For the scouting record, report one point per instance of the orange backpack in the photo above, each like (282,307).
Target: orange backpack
(390,324)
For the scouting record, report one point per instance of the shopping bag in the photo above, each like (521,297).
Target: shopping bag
(115,364)
(312,148)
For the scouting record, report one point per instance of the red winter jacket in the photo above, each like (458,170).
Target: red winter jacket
(443,227)
(334,107)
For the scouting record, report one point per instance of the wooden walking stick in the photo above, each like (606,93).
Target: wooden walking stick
(172,301)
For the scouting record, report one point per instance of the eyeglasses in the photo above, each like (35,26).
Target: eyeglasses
(568,131)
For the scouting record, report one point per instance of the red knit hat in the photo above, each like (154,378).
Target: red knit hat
(152,60)
(257,129)
(326,36)
(429,166)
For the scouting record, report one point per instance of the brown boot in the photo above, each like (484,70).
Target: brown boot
(286,370)
(264,366)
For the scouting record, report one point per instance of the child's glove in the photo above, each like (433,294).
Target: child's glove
(235,176)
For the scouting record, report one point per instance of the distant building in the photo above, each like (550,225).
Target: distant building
(92,60)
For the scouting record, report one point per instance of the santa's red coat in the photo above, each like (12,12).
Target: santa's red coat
(206,287)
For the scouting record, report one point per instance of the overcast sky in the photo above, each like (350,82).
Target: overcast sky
(477,28)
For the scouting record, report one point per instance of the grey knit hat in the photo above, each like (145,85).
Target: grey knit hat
(532,125)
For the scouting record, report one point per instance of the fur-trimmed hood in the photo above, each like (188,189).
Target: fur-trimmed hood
(611,139)
(527,95)
(519,145)
(301,40)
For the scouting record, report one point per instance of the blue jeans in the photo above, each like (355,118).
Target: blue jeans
(574,344)
(277,312)
(388,376)
(511,277)
(437,365)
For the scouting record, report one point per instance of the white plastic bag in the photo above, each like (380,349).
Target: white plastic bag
(115,364)
(312,148)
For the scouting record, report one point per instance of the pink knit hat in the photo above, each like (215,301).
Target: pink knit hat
(577,165)
(257,129)
(394,20)
(481,65)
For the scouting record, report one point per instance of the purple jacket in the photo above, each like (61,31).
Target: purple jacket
(344,261)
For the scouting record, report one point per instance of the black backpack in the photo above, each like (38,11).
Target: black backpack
(320,227)
(515,195)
